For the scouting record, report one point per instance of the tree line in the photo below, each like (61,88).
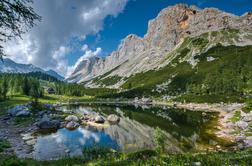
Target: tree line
(35,85)
(11,84)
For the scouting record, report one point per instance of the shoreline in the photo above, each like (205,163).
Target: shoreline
(226,111)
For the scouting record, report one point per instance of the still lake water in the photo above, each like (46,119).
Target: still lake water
(184,131)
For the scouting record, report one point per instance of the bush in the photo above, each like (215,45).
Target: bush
(4,144)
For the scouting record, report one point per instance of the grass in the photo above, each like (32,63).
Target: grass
(23,120)
(236,117)
(51,99)
(147,157)
(248,107)
(13,100)
(4,144)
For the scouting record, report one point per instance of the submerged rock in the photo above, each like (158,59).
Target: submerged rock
(72,125)
(113,118)
(72,118)
(99,119)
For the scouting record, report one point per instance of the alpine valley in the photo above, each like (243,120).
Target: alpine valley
(179,95)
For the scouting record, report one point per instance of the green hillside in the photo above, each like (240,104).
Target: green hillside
(223,71)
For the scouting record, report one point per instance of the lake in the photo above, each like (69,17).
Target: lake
(184,130)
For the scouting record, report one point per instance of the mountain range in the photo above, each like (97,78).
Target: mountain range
(178,35)
(9,66)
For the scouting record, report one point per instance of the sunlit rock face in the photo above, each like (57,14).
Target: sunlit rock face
(83,70)
(165,33)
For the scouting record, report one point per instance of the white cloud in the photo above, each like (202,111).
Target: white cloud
(84,47)
(59,56)
(46,45)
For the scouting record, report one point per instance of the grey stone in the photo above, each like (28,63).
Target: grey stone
(13,111)
(113,118)
(240,138)
(242,125)
(48,106)
(23,113)
(99,119)
(247,117)
(72,125)
(46,123)
(72,118)
(248,142)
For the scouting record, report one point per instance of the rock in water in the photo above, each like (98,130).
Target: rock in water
(99,119)
(113,118)
(72,118)
(46,123)
(72,125)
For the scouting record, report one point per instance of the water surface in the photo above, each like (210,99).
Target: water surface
(184,131)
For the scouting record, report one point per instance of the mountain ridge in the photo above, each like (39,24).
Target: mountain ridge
(165,34)
(9,66)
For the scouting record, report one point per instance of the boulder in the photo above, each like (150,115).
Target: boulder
(48,106)
(72,125)
(41,113)
(46,123)
(31,142)
(242,125)
(248,117)
(248,142)
(240,138)
(13,111)
(113,118)
(99,119)
(23,113)
(72,118)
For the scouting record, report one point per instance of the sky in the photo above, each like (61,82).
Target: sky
(72,30)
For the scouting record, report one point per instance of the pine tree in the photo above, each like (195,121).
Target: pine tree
(4,89)
(26,86)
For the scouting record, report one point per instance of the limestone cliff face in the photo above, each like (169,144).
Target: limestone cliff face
(83,70)
(165,33)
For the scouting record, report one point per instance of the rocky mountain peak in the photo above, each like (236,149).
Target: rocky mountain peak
(165,32)
(179,21)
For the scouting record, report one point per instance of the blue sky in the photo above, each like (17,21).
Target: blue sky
(73,30)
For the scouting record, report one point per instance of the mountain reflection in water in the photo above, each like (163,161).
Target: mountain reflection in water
(135,131)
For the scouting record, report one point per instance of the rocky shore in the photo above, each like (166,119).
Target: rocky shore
(234,125)
(22,137)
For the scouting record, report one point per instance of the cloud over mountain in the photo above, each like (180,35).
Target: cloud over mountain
(47,45)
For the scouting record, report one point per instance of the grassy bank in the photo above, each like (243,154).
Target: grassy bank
(141,158)
(22,99)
